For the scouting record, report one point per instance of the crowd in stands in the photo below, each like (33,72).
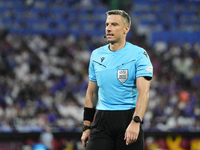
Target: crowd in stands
(43,77)
(182,15)
(43,81)
(174,97)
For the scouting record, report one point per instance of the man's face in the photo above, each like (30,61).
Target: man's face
(115,28)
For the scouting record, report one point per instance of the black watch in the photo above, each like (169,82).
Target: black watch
(84,127)
(137,119)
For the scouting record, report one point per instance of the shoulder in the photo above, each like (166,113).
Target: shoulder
(100,50)
(135,49)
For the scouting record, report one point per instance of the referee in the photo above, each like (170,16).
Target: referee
(119,80)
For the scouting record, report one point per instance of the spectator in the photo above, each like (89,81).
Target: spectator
(46,138)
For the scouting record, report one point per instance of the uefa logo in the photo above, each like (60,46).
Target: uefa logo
(122,75)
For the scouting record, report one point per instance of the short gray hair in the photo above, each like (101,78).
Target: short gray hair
(124,14)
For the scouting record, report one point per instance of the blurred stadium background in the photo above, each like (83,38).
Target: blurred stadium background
(45,46)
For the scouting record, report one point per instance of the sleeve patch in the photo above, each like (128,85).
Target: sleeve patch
(149,68)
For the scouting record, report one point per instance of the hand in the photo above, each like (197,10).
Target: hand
(85,137)
(132,132)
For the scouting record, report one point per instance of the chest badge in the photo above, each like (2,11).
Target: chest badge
(122,75)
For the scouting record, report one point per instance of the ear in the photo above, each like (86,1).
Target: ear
(126,29)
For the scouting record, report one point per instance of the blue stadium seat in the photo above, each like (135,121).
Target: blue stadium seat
(179,36)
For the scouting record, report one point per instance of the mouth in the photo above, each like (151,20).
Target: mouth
(109,35)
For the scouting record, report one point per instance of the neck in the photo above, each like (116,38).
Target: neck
(117,46)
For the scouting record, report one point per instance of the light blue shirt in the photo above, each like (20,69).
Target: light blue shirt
(116,72)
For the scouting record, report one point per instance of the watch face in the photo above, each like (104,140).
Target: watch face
(137,119)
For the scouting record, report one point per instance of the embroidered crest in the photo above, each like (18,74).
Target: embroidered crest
(122,75)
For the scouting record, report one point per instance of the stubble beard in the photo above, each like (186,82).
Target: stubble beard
(114,41)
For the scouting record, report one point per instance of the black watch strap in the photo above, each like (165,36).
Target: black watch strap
(84,127)
(137,119)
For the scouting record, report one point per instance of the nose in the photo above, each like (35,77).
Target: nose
(108,27)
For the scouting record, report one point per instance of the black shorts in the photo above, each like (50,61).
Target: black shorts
(108,131)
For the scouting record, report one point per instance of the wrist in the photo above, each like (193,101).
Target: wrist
(137,119)
(87,123)
(85,127)
(88,114)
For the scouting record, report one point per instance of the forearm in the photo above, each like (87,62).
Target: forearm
(90,102)
(90,99)
(143,87)
(141,104)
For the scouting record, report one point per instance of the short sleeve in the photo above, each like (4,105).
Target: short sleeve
(143,65)
(92,75)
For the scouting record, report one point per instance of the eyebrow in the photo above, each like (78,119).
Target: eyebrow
(112,23)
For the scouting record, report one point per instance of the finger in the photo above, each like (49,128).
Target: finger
(125,136)
(128,140)
(84,144)
(131,139)
(135,138)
